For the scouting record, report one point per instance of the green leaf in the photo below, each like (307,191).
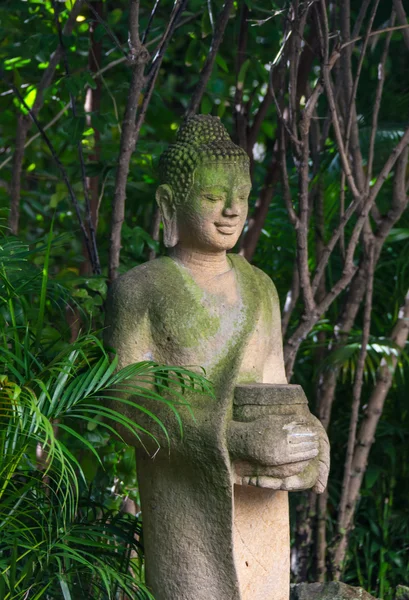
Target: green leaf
(98,122)
(222,63)
(192,52)
(206,105)
(206,25)
(242,73)
(221,109)
(64,588)
(89,80)
(398,234)
(75,127)
(371,475)
(99,32)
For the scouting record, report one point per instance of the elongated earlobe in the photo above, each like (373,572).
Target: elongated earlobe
(165,199)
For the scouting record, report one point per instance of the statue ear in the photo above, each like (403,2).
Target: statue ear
(166,203)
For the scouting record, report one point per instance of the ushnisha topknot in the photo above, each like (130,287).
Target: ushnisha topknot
(201,138)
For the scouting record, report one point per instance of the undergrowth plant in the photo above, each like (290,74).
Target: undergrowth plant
(56,541)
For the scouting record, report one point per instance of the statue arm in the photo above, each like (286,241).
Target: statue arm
(274,370)
(127,332)
(126,323)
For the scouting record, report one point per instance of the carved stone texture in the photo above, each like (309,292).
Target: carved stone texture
(334,590)
(272,439)
(214,503)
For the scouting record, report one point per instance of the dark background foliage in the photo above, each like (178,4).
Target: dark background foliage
(94,72)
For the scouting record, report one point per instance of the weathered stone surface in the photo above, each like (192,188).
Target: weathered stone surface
(333,590)
(214,504)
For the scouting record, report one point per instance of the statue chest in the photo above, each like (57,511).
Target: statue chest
(193,327)
(202,325)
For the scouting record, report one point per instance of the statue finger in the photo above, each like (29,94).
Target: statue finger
(307,455)
(302,438)
(304,447)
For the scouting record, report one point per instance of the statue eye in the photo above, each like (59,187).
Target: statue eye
(213,197)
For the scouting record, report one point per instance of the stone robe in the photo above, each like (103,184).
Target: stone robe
(203,540)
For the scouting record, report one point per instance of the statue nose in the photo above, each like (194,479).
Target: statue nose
(231,208)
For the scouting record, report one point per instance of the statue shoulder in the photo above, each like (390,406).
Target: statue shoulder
(133,290)
(262,280)
(265,281)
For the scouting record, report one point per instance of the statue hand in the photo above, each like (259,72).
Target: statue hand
(268,442)
(323,458)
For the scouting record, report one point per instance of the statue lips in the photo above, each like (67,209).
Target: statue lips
(226,228)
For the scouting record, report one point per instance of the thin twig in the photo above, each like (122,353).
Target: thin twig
(297,143)
(221,25)
(209,9)
(294,220)
(107,28)
(357,391)
(377,103)
(377,32)
(130,130)
(95,75)
(148,26)
(138,57)
(240,112)
(179,7)
(302,230)
(58,163)
(23,123)
(403,20)
(94,258)
(352,100)
(360,18)
(335,118)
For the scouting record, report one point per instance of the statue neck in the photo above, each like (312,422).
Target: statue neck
(202,265)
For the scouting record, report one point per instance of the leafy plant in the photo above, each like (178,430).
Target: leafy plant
(56,542)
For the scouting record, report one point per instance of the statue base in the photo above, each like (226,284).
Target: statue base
(261,543)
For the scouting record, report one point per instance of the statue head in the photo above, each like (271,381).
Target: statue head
(205,184)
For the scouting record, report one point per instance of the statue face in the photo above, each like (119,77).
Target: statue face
(213,216)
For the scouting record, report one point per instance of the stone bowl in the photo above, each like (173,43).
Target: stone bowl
(272,406)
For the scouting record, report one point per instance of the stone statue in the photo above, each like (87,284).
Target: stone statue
(214,503)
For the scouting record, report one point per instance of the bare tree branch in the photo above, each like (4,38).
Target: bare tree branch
(131,130)
(376,32)
(139,56)
(335,121)
(241,120)
(302,229)
(402,19)
(151,17)
(95,75)
(221,25)
(356,392)
(377,103)
(94,258)
(367,430)
(107,28)
(23,123)
(59,165)
(352,124)
(360,18)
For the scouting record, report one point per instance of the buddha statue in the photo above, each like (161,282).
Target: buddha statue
(215,500)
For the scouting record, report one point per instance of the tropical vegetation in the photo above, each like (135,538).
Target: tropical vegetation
(92,92)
